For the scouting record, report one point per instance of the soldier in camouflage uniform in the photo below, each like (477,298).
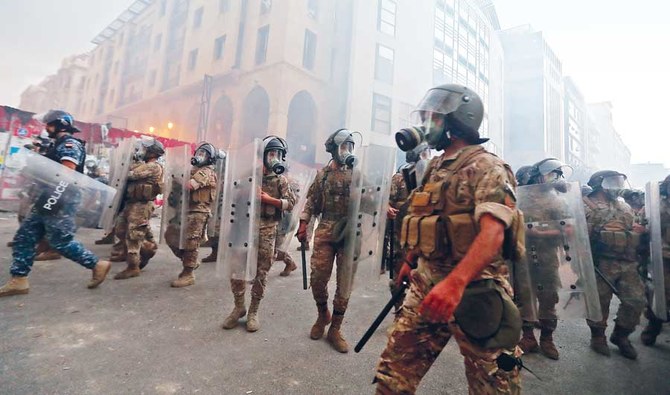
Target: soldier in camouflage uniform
(655,324)
(416,160)
(59,229)
(276,198)
(145,180)
(457,219)
(328,196)
(202,187)
(546,244)
(614,244)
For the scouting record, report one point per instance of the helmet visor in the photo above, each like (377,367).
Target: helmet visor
(441,101)
(555,166)
(614,182)
(201,155)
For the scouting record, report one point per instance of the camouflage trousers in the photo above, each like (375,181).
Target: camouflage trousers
(325,254)
(196,223)
(415,344)
(624,276)
(134,231)
(59,230)
(280,254)
(266,250)
(545,280)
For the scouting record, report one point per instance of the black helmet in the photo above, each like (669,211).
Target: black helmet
(336,140)
(155,148)
(62,121)
(597,178)
(414,155)
(211,154)
(274,143)
(523,175)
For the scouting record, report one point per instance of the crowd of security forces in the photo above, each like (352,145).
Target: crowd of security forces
(458,224)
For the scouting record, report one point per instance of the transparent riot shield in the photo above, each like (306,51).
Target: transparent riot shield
(121,159)
(653,212)
(56,190)
(366,220)
(300,178)
(175,207)
(215,222)
(240,219)
(558,251)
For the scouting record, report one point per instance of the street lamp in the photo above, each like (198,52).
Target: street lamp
(170,125)
(152,129)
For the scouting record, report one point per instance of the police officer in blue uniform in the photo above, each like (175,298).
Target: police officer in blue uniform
(58,228)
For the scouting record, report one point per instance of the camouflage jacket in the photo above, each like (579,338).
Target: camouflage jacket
(608,216)
(278,187)
(544,205)
(203,183)
(468,184)
(144,181)
(399,192)
(328,195)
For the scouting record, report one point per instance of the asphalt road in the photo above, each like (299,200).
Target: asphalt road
(140,336)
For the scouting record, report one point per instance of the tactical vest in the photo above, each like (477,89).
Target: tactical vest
(439,227)
(204,195)
(145,190)
(613,240)
(335,194)
(271,187)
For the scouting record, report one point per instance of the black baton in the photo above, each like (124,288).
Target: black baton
(304,265)
(394,299)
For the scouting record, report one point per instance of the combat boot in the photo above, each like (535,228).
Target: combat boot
(290,266)
(599,341)
(319,326)
(651,331)
(547,346)
(50,255)
(147,252)
(99,273)
(16,286)
(212,257)
(186,278)
(620,338)
(335,337)
(528,343)
(238,312)
(252,317)
(109,239)
(133,269)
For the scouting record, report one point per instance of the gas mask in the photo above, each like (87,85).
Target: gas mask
(430,130)
(274,162)
(612,185)
(342,147)
(200,158)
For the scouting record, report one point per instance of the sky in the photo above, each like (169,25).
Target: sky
(615,51)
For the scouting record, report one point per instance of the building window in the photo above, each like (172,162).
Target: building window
(192,59)
(266,6)
(309,50)
(157,42)
(386,16)
(381,114)
(262,44)
(152,78)
(313,8)
(224,6)
(197,17)
(384,64)
(163,7)
(219,46)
